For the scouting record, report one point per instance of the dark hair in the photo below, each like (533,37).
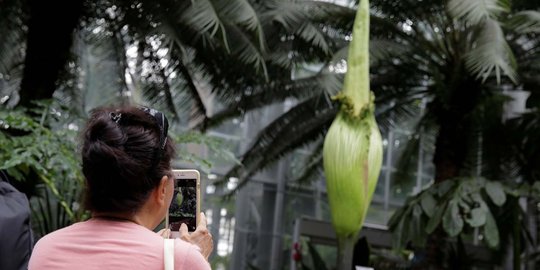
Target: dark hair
(122,159)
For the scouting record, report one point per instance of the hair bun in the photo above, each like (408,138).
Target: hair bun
(107,131)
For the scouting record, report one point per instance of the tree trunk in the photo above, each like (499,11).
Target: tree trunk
(452,113)
(50,29)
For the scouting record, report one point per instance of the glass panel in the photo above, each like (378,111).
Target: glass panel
(220,161)
(233,127)
(377,214)
(400,189)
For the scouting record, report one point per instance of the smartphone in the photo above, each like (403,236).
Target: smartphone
(185,204)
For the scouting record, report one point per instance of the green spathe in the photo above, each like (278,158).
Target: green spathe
(352,153)
(352,160)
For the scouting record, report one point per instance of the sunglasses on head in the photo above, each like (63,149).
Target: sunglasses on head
(162,123)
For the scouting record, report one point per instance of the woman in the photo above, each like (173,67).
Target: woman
(126,160)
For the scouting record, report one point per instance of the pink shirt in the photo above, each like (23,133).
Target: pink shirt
(99,244)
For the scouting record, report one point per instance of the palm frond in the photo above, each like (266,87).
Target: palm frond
(184,75)
(313,164)
(384,49)
(391,114)
(204,18)
(12,45)
(13,38)
(188,84)
(297,127)
(320,84)
(243,49)
(476,11)
(399,11)
(525,22)
(120,47)
(197,107)
(282,59)
(304,21)
(101,81)
(288,14)
(331,14)
(241,12)
(168,92)
(422,137)
(314,36)
(491,53)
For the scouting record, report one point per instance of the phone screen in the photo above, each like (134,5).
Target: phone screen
(183,207)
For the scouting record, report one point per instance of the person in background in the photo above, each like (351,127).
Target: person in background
(16,239)
(126,161)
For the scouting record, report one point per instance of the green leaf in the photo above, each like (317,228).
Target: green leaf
(491,232)
(478,217)
(535,189)
(475,11)
(463,204)
(406,231)
(491,54)
(452,220)
(496,193)
(527,21)
(396,235)
(318,262)
(428,204)
(417,211)
(434,221)
(444,187)
(203,16)
(419,234)
(16,173)
(15,161)
(522,190)
(400,231)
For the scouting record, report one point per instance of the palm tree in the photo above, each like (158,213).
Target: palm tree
(441,53)
(165,48)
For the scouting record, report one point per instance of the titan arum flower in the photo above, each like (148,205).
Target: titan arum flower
(352,153)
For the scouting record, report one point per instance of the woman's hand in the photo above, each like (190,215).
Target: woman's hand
(200,237)
(165,233)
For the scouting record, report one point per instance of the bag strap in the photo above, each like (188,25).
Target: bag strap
(168,254)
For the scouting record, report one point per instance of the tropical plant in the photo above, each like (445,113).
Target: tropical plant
(44,163)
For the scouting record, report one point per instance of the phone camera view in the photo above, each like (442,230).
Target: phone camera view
(184,204)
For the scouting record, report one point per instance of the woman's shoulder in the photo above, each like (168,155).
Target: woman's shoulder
(60,233)
(50,243)
(98,231)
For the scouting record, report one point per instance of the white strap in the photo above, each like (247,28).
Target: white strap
(168,254)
